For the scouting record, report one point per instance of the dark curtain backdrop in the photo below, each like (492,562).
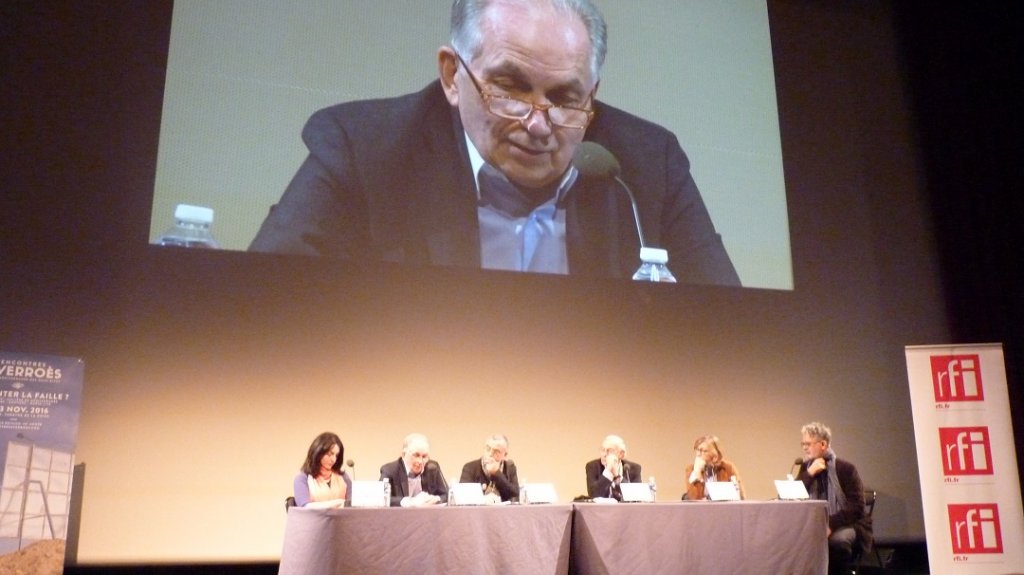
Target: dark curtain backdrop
(963,62)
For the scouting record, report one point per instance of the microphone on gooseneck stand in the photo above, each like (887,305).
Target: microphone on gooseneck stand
(797,463)
(351,468)
(434,466)
(595,161)
(625,472)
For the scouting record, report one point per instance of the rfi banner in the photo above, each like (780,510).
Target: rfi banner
(966,459)
(40,399)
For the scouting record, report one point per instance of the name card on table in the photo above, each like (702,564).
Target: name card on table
(369,494)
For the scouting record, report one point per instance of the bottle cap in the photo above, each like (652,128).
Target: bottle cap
(654,255)
(193,214)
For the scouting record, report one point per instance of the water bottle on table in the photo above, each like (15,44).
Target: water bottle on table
(653,266)
(191,228)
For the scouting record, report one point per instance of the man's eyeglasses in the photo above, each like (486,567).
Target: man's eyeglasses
(516,109)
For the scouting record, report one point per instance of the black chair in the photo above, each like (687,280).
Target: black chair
(874,559)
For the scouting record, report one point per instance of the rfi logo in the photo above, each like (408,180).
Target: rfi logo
(974,528)
(957,378)
(965,451)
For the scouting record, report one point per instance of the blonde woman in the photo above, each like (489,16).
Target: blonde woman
(708,465)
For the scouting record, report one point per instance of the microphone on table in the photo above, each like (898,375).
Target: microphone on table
(625,471)
(799,461)
(433,465)
(352,468)
(595,161)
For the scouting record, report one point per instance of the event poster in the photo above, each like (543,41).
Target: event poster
(40,400)
(966,459)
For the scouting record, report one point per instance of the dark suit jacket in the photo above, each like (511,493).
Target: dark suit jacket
(432,480)
(506,480)
(599,486)
(391,180)
(853,514)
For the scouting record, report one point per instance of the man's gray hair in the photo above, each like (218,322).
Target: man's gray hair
(467,35)
(615,440)
(817,430)
(497,438)
(414,438)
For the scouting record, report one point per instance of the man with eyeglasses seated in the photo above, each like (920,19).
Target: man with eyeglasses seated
(495,472)
(606,473)
(416,481)
(475,170)
(836,481)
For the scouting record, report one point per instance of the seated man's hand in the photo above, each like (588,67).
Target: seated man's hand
(613,466)
(817,466)
(421,499)
(427,499)
(491,466)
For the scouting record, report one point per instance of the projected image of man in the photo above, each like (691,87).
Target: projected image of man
(476,169)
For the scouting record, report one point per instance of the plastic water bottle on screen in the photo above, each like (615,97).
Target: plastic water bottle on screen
(387,492)
(191,228)
(654,489)
(653,266)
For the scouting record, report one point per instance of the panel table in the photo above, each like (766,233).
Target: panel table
(532,540)
(700,537)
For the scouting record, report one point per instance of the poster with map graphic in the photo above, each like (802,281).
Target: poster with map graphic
(40,401)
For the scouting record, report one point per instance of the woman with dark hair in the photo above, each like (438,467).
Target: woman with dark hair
(322,484)
(709,465)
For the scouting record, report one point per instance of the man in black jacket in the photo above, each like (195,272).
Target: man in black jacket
(495,472)
(415,479)
(606,473)
(836,481)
